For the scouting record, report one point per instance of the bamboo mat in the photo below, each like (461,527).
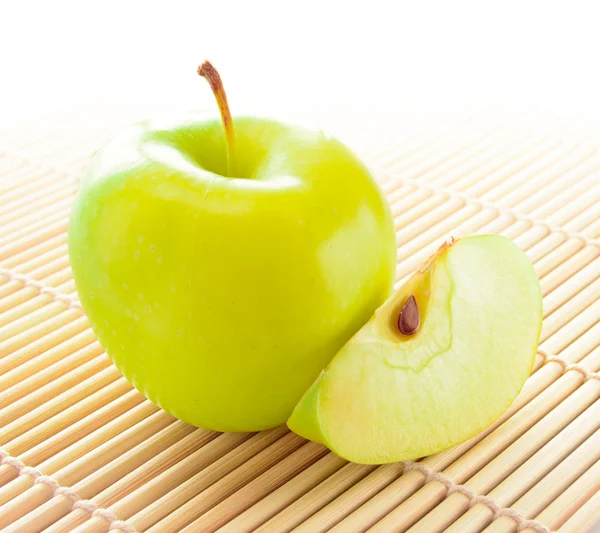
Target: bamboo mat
(82,451)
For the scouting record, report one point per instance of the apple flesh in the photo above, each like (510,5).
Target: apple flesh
(222,288)
(388,396)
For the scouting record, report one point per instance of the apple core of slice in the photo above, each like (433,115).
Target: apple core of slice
(387,396)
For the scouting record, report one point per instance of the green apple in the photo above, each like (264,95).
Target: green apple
(440,361)
(221,269)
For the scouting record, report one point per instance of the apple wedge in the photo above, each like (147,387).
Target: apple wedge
(439,362)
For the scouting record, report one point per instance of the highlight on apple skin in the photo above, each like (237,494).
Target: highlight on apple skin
(389,396)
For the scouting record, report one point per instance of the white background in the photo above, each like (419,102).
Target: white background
(376,57)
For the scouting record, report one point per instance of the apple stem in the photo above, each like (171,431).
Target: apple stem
(211,75)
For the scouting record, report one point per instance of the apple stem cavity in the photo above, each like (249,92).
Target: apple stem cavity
(409,320)
(211,75)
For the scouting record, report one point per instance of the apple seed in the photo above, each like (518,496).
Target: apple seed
(409,321)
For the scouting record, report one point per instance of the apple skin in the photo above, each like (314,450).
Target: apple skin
(222,298)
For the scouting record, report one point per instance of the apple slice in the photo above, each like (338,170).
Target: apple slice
(440,361)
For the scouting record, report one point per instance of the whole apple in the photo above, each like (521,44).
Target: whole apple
(222,268)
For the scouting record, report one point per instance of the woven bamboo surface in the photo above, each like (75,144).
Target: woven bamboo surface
(83,451)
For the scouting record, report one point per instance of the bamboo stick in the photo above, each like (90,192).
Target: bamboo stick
(587,223)
(42,272)
(412,223)
(11,360)
(587,516)
(27,308)
(7,474)
(562,213)
(66,445)
(548,243)
(436,150)
(585,278)
(583,350)
(136,478)
(29,180)
(161,495)
(267,507)
(60,277)
(441,221)
(17,385)
(409,261)
(411,239)
(534,501)
(9,286)
(486,162)
(33,257)
(518,166)
(11,515)
(478,516)
(37,507)
(15,373)
(17,340)
(515,128)
(416,204)
(21,243)
(572,499)
(68,287)
(51,200)
(543,166)
(30,225)
(450,193)
(567,388)
(57,251)
(224,486)
(332,488)
(572,265)
(421,141)
(216,462)
(452,168)
(114,415)
(370,512)
(576,216)
(482,204)
(522,478)
(571,330)
(111,475)
(555,194)
(252,492)
(567,166)
(564,330)
(51,310)
(584,301)
(593,230)
(53,398)
(453,153)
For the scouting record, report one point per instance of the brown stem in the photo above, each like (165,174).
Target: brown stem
(210,74)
